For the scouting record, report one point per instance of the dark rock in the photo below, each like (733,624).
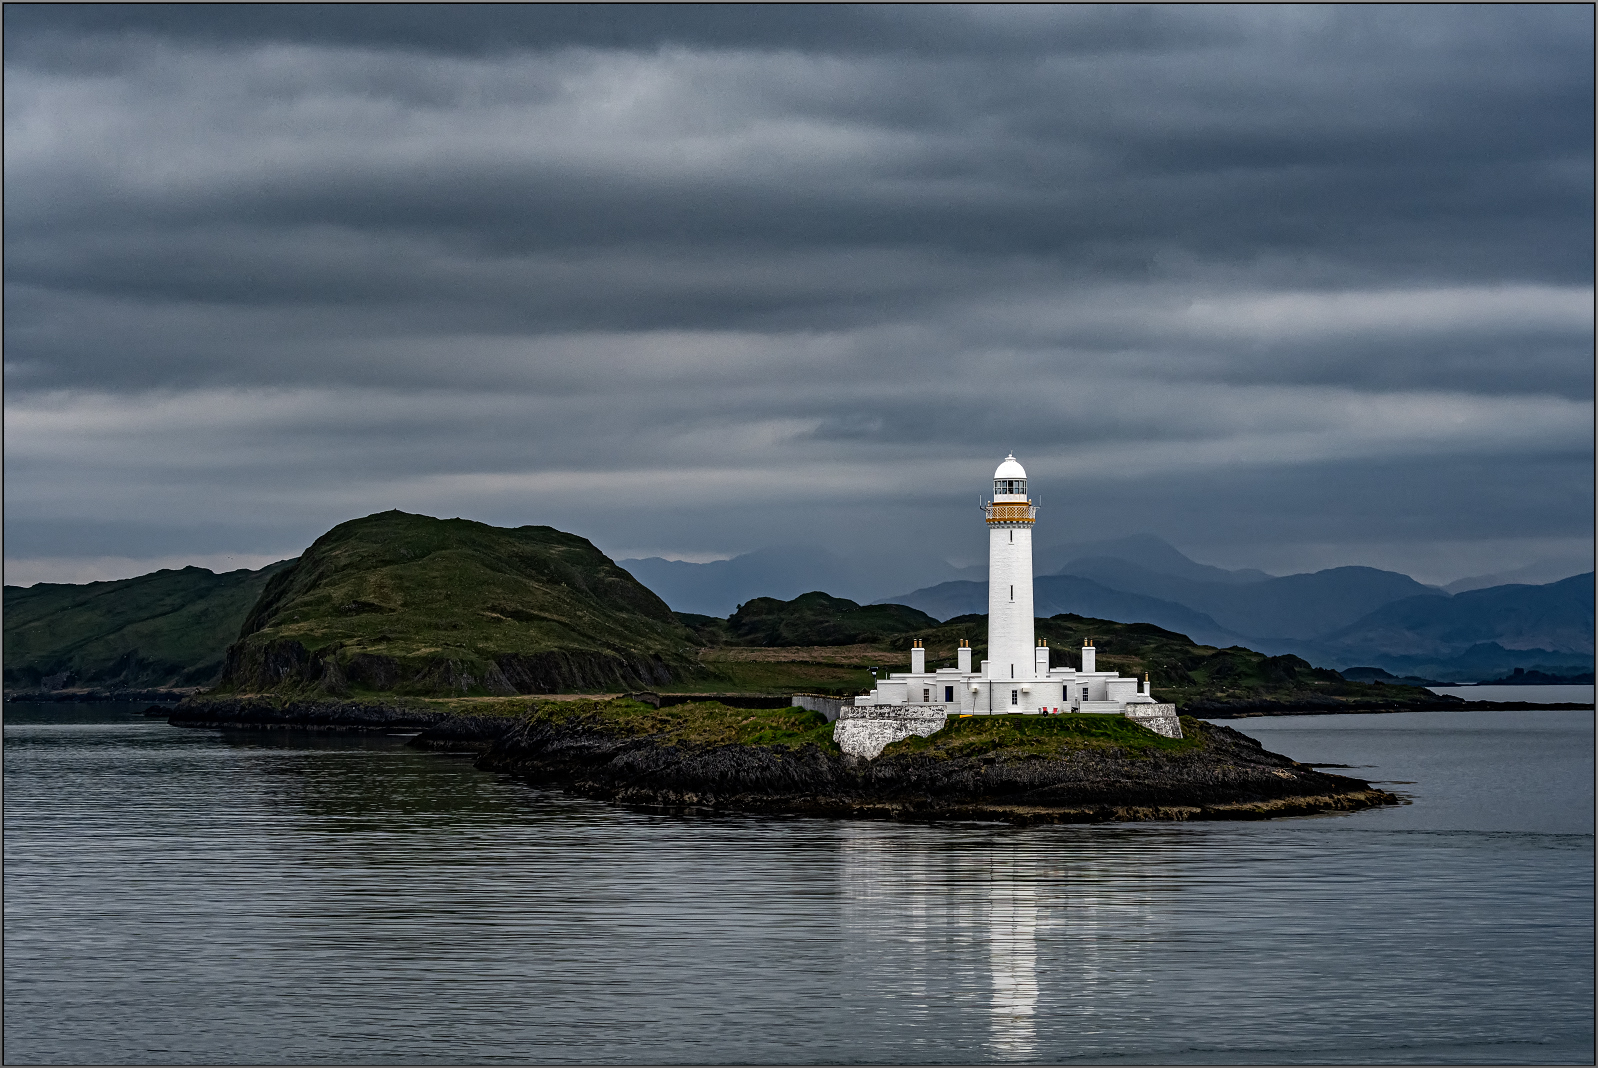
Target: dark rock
(93,696)
(373,671)
(465,732)
(258,713)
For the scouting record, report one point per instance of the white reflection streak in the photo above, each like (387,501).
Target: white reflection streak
(1013,950)
(888,917)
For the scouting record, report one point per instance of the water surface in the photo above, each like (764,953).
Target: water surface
(183,896)
(1531,694)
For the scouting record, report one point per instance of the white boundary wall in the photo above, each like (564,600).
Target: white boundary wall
(830,707)
(1159,718)
(865,732)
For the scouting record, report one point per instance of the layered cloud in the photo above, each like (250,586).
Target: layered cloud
(706,278)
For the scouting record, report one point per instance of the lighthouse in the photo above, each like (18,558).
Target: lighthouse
(1017,677)
(1010,515)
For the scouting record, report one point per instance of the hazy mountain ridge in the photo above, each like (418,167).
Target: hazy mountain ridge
(1302,606)
(1540,573)
(1143,550)
(1551,623)
(717,588)
(1339,617)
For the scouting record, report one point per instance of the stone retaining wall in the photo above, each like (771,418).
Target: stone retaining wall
(830,707)
(1159,718)
(864,731)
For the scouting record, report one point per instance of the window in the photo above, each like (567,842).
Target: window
(926,696)
(1015,697)
(948,694)
(1065,693)
(1084,693)
(1012,593)
(1009,487)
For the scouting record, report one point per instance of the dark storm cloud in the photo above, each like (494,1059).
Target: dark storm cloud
(485,29)
(278,263)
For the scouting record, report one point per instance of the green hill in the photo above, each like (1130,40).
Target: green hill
(399,603)
(168,628)
(810,619)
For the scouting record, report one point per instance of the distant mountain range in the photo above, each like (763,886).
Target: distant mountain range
(1146,551)
(1339,617)
(1538,574)
(719,587)
(1476,634)
(1293,606)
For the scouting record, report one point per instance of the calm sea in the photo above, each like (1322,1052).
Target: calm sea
(179,896)
(1528,694)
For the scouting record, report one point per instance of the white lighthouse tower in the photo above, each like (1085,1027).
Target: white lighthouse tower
(1010,516)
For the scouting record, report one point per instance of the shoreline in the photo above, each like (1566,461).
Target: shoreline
(98,696)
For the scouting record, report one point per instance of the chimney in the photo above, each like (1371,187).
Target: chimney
(1088,655)
(1043,658)
(965,657)
(918,658)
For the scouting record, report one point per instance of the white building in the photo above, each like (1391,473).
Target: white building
(1019,675)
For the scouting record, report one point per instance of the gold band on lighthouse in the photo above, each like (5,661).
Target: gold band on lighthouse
(1012,513)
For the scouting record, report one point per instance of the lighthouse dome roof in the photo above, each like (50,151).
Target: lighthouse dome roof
(1010,468)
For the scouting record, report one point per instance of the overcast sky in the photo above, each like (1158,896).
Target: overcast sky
(1290,287)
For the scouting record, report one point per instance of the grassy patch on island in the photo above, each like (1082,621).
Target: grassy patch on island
(1043,736)
(697,723)
(783,676)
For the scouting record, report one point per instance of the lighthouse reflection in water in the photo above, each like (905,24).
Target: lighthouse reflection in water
(959,925)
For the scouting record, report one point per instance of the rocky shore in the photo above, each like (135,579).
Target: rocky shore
(96,695)
(264,714)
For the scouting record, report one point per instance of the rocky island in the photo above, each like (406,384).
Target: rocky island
(1020,769)
(708,756)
